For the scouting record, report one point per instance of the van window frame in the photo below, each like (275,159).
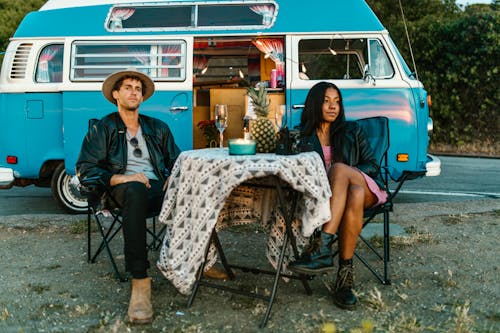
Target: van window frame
(113,23)
(155,59)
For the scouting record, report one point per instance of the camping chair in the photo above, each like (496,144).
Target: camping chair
(101,204)
(376,130)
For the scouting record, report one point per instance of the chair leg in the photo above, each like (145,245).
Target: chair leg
(387,280)
(106,238)
(156,237)
(384,257)
(89,232)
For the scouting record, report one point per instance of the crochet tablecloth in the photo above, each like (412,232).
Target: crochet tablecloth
(201,181)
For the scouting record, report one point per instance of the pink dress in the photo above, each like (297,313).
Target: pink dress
(372,185)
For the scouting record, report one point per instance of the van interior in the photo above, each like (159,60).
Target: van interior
(222,69)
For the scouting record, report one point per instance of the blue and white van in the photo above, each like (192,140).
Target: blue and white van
(199,53)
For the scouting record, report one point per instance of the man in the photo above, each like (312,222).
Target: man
(133,155)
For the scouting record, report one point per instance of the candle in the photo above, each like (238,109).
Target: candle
(242,146)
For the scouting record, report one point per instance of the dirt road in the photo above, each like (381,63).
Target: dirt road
(444,273)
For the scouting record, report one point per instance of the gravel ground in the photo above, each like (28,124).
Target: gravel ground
(444,272)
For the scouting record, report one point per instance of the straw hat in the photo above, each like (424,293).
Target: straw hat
(109,83)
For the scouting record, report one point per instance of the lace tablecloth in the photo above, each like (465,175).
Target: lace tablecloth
(202,180)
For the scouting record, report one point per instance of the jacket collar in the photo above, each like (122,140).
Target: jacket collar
(120,125)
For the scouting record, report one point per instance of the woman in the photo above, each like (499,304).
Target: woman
(355,182)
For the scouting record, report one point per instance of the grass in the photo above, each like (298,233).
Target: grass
(472,148)
(80,227)
(462,322)
(398,242)
(38,288)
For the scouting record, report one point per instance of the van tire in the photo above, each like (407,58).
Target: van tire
(67,195)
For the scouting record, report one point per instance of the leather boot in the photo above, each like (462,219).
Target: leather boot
(216,274)
(318,259)
(343,296)
(140,310)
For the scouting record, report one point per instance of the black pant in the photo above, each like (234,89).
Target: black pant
(137,203)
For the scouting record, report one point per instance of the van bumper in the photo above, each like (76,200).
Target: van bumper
(433,166)
(6,178)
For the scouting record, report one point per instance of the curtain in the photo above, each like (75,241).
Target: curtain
(200,62)
(267,12)
(48,53)
(171,55)
(273,48)
(118,15)
(142,54)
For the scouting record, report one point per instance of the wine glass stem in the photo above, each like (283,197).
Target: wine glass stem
(221,137)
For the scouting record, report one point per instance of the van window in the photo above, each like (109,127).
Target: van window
(342,59)
(49,64)
(380,66)
(147,17)
(94,61)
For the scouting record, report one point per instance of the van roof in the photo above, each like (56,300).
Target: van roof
(59,18)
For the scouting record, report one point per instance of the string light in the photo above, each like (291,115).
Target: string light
(204,70)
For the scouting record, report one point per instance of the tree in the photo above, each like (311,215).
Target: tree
(457,53)
(11,14)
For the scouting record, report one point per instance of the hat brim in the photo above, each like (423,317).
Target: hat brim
(110,81)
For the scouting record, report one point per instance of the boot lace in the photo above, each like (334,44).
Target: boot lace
(345,278)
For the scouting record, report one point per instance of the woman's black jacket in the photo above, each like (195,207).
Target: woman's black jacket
(357,151)
(104,149)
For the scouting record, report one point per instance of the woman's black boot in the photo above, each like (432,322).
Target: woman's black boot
(343,295)
(318,259)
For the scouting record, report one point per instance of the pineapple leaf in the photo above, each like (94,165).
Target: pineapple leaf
(259,99)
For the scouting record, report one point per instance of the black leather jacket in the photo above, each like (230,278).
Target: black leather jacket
(104,149)
(357,151)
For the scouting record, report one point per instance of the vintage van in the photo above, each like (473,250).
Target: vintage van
(199,53)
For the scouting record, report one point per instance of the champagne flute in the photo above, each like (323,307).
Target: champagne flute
(221,120)
(279,114)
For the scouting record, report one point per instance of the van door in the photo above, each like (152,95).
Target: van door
(168,61)
(371,85)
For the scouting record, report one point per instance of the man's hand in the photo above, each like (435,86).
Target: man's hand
(136,177)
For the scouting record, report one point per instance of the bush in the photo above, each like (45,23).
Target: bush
(458,63)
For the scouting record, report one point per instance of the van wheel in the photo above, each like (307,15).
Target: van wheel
(66,194)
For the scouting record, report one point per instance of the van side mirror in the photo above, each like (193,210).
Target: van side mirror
(367,76)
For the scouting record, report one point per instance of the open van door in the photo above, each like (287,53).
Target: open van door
(168,61)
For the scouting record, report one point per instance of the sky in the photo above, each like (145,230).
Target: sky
(470,2)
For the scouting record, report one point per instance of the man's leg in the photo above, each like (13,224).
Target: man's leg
(136,200)
(133,197)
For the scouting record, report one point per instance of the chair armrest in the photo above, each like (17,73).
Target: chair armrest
(92,187)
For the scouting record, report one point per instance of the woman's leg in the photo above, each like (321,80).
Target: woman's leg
(352,221)
(350,195)
(348,203)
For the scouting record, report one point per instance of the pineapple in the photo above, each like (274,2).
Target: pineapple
(262,129)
